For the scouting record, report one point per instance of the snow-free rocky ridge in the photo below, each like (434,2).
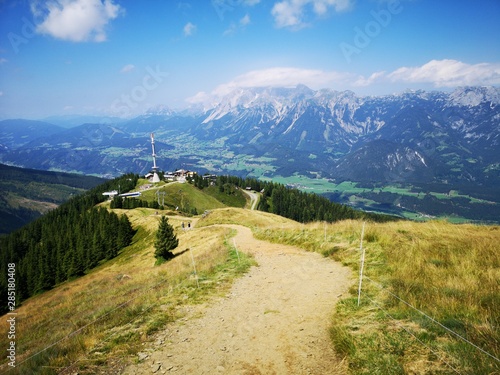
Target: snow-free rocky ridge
(274,320)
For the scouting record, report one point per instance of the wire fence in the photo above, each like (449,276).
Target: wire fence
(413,335)
(363,277)
(102,317)
(457,335)
(91,323)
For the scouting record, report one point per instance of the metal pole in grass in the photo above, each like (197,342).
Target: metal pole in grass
(235,248)
(194,267)
(362,250)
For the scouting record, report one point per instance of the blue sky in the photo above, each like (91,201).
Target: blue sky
(121,57)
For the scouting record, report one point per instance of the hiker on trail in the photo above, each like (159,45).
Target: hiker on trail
(182,225)
(189,225)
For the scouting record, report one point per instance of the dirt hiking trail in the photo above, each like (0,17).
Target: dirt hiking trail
(274,320)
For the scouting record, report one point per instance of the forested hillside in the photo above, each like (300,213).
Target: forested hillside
(74,238)
(65,243)
(293,203)
(26,194)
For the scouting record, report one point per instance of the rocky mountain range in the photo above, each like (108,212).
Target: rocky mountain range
(415,136)
(412,136)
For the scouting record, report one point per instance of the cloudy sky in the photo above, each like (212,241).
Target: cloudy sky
(120,57)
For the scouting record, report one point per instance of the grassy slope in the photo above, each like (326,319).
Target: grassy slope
(186,197)
(449,272)
(234,198)
(252,219)
(123,302)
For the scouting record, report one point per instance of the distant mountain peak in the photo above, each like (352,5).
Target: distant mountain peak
(473,96)
(70,121)
(159,110)
(430,136)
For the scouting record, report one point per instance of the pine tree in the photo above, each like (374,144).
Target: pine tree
(166,240)
(125,232)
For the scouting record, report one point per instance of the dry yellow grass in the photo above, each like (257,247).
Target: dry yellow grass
(106,314)
(449,272)
(252,219)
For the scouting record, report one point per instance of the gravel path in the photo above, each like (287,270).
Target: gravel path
(273,321)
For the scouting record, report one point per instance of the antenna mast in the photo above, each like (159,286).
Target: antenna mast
(156,178)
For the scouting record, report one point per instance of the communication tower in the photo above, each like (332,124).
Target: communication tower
(156,178)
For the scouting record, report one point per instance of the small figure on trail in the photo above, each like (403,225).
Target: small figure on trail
(182,225)
(189,225)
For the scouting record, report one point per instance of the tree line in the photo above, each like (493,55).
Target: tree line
(74,238)
(293,203)
(66,242)
(131,203)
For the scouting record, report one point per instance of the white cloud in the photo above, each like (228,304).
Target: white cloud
(438,73)
(245,20)
(189,29)
(127,68)
(287,15)
(233,28)
(75,20)
(200,97)
(230,30)
(283,77)
(278,77)
(374,77)
(449,73)
(3,61)
(1,93)
(292,13)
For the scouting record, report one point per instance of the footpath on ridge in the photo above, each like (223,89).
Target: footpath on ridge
(274,320)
